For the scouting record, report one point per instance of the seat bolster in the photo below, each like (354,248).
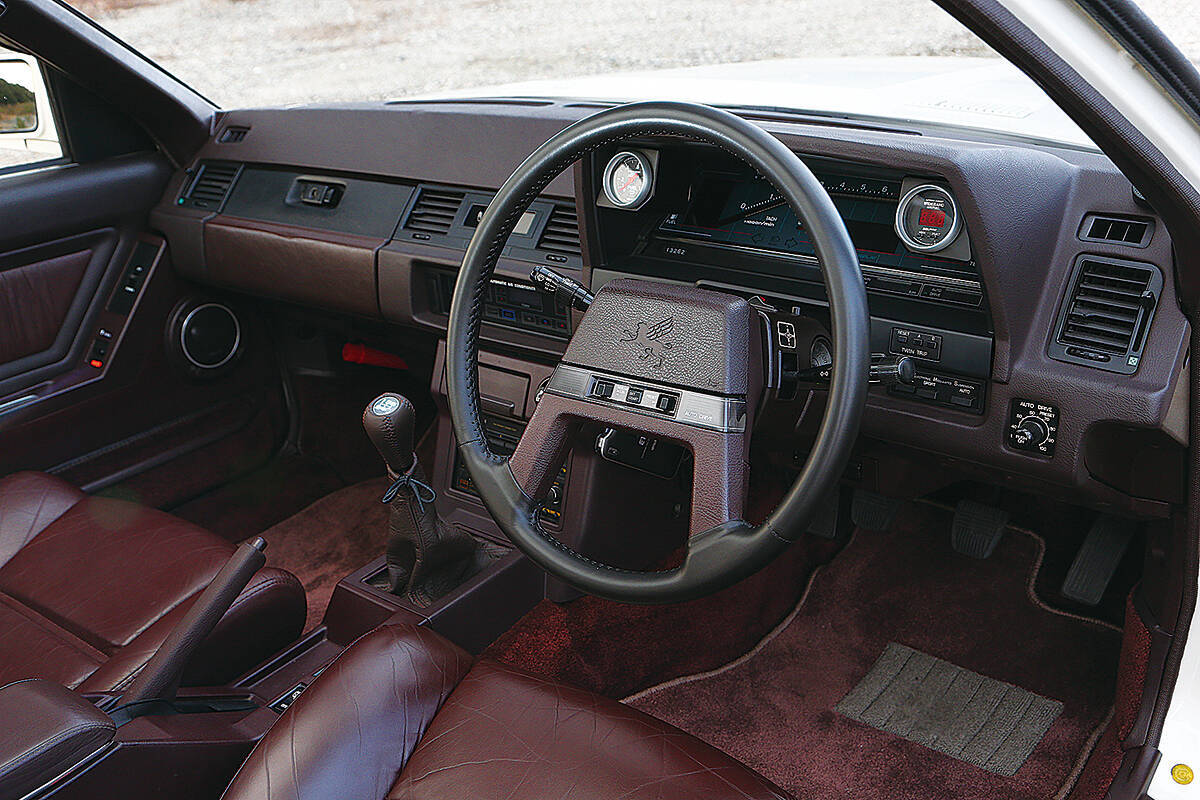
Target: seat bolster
(352,731)
(29,501)
(267,615)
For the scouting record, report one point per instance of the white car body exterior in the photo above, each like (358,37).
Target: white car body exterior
(981,93)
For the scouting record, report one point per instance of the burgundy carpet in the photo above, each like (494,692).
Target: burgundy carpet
(773,709)
(333,537)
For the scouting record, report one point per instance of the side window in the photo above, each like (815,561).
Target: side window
(27,131)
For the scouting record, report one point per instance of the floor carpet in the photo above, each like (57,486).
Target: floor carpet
(255,501)
(329,539)
(774,707)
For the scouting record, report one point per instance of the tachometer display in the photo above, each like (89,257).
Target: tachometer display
(628,180)
(927,218)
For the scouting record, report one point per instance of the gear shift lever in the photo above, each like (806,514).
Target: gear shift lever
(426,557)
(390,421)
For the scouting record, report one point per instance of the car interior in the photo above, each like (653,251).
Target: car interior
(542,447)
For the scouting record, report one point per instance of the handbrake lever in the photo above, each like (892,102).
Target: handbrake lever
(885,370)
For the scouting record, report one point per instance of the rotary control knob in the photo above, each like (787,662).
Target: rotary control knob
(1031,432)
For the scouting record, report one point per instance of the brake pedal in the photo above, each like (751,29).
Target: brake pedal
(871,511)
(1097,560)
(977,528)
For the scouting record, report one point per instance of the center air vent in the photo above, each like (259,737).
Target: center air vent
(560,237)
(434,211)
(210,186)
(1107,314)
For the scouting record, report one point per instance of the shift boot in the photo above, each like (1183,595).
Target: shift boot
(426,558)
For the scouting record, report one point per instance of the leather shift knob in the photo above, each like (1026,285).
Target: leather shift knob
(390,421)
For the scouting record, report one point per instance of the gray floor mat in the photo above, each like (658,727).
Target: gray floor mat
(963,714)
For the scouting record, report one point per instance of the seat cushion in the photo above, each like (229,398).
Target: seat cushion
(404,714)
(89,587)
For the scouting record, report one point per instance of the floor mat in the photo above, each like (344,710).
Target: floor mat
(331,538)
(971,717)
(774,707)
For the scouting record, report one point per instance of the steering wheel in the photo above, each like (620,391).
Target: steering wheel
(698,349)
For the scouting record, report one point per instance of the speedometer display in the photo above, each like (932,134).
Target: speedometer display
(927,218)
(627,180)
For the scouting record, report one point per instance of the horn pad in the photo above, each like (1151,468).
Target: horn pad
(668,333)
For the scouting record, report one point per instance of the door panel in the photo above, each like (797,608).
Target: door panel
(80,271)
(34,301)
(45,293)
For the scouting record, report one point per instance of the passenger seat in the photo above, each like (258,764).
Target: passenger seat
(90,586)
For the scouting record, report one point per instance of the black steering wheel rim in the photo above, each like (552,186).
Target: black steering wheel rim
(727,553)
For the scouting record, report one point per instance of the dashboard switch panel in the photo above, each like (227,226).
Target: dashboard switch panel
(916,344)
(1033,427)
(949,391)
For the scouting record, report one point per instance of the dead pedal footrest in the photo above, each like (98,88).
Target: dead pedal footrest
(1097,560)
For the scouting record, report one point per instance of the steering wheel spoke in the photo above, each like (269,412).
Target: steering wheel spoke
(720,474)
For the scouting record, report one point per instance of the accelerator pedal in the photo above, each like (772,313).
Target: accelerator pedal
(977,528)
(871,511)
(1097,560)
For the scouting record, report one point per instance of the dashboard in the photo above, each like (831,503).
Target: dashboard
(706,218)
(1030,283)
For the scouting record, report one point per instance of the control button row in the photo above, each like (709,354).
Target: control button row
(640,396)
(916,344)
(945,391)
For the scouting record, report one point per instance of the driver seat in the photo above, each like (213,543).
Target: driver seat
(405,714)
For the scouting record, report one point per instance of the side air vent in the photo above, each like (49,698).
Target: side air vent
(210,185)
(434,211)
(233,134)
(1116,230)
(560,237)
(1107,313)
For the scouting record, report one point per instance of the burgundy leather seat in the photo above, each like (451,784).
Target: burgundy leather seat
(89,587)
(405,714)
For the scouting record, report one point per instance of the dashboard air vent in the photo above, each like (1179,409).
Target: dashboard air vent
(561,234)
(233,134)
(1116,230)
(210,185)
(1107,313)
(434,210)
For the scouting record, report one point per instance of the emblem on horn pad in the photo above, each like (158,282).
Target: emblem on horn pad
(648,340)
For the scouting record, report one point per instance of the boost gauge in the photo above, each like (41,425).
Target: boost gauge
(628,180)
(927,218)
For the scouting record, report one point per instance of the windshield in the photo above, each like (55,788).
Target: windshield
(900,59)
